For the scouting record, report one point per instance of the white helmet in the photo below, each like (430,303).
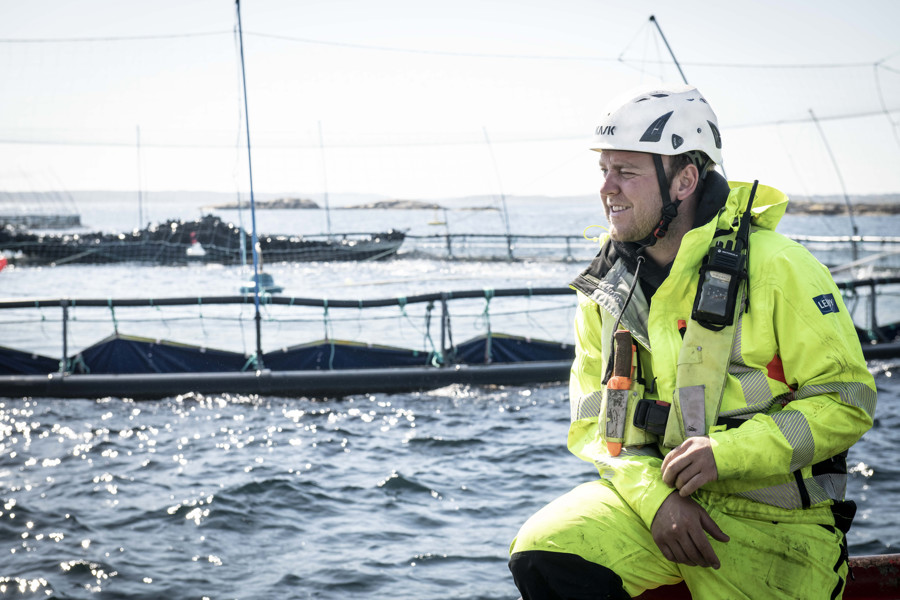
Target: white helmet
(666,119)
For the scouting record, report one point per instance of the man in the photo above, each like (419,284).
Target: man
(723,463)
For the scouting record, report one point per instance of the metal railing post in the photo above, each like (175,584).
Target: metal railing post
(64,363)
(873,301)
(445,316)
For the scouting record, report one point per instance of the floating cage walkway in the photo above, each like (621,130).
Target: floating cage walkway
(139,367)
(150,367)
(837,252)
(211,240)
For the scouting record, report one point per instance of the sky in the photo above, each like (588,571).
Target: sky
(420,99)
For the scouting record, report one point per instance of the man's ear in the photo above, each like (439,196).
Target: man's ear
(685,182)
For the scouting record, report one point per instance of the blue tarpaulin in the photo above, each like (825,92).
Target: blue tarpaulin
(16,362)
(123,354)
(127,354)
(510,349)
(337,354)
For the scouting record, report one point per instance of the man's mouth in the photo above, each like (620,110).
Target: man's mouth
(616,209)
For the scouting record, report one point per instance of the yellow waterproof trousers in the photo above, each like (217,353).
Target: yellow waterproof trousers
(762,560)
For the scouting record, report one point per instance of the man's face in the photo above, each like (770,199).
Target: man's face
(630,194)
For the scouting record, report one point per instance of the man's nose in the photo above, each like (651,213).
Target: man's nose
(609,186)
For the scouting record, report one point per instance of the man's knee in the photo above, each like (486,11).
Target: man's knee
(542,575)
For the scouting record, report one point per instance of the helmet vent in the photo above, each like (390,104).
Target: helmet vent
(654,132)
(716,136)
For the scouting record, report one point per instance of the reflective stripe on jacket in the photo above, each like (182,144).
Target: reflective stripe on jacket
(796,376)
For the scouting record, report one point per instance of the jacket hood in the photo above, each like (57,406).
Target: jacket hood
(769,205)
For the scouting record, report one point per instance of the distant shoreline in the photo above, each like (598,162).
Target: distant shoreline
(303,204)
(11,203)
(278,203)
(832,209)
(793,207)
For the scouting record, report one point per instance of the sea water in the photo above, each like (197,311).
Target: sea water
(408,496)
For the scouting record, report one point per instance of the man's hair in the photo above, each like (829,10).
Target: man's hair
(694,157)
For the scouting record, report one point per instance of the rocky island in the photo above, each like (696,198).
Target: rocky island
(830,208)
(399,205)
(279,203)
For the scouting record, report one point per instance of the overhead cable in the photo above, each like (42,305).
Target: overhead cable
(113,38)
(513,139)
(449,53)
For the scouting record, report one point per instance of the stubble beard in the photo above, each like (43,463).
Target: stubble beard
(639,229)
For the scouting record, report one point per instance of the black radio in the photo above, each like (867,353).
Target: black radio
(721,274)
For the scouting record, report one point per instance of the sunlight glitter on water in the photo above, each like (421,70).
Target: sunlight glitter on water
(22,586)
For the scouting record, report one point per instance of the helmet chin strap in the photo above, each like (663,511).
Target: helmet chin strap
(669,208)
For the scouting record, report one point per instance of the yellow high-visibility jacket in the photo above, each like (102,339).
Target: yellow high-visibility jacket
(796,380)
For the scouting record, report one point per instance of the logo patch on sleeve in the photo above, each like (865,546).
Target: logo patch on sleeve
(826,303)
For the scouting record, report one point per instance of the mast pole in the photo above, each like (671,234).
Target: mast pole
(140,183)
(509,251)
(254,239)
(325,179)
(678,65)
(837,170)
(668,47)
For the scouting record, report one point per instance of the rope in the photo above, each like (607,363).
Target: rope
(78,363)
(43,318)
(884,107)
(112,311)
(448,328)
(436,359)
(486,315)
(200,313)
(240,320)
(631,43)
(328,337)
(401,302)
(165,320)
(251,360)
(358,319)
(529,316)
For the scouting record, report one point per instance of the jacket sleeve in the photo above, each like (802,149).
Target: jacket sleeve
(833,401)
(635,473)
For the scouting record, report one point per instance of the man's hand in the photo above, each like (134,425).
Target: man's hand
(679,530)
(690,466)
